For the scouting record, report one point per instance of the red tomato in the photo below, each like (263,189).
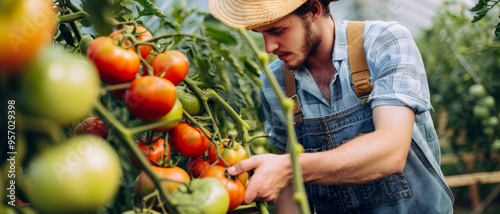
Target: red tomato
(231,151)
(233,185)
(196,166)
(172,65)
(157,152)
(150,97)
(115,64)
(174,115)
(188,140)
(141,34)
(172,177)
(94,126)
(26,27)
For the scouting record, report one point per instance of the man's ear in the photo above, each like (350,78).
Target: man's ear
(316,10)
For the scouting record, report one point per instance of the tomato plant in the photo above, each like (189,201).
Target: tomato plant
(139,32)
(80,175)
(188,140)
(230,151)
(150,97)
(26,27)
(172,65)
(227,103)
(233,185)
(202,195)
(172,177)
(156,151)
(59,85)
(93,125)
(174,116)
(114,63)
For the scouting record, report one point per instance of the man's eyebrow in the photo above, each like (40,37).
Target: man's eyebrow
(271,29)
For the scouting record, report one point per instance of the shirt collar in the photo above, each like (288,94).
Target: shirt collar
(340,45)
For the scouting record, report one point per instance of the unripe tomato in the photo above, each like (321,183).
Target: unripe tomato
(173,177)
(59,85)
(190,103)
(477,90)
(157,152)
(26,27)
(230,151)
(77,176)
(188,140)
(141,34)
(202,195)
(233,185)
(174,115)
(115,64)
(150,97)
(172,65)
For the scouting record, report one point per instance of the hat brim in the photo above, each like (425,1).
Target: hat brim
(251,14)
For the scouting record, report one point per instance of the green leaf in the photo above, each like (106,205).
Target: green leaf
(218,32)
(252,124)
(151,7)
(230,58)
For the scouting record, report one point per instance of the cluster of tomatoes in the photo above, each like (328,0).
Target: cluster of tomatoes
(151,95)
(60,87)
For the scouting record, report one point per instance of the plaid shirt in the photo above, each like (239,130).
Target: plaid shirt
(396,67)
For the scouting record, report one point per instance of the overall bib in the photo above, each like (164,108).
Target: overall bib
(406,192)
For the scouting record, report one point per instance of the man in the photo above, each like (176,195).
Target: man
(378,157)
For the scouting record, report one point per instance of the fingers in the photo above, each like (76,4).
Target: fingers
(243,166)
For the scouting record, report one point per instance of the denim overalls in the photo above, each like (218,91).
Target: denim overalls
(407,192)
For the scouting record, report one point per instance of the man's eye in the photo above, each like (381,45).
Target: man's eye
(277,32)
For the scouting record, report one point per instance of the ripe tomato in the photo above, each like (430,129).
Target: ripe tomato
(173,177)
(94,126)
(233,185)
(141,34)
(150,97)
(190,102)
(202,195)
(26,27)
(174,115)
(156,151)
(77,176)
(172,65)
(231,151)
(196,166)
(59,85)
(188,140)
(115,64)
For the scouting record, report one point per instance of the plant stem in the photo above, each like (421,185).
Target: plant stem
(287,105)
(127,136)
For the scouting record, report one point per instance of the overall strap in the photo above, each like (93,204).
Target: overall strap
(357,60)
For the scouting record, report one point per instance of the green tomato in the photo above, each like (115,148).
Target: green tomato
(477,90)
(174,115)
(488,101)
(190,102)
(80,175)
(205,195)
(59,85)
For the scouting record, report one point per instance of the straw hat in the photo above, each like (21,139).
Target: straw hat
(252,13)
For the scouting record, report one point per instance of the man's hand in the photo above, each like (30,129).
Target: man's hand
(271,175)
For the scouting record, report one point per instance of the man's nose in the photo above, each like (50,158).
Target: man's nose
(271,44)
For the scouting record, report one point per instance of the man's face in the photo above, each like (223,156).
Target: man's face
(291,39)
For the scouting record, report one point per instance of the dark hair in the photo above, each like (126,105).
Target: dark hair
(309,5)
